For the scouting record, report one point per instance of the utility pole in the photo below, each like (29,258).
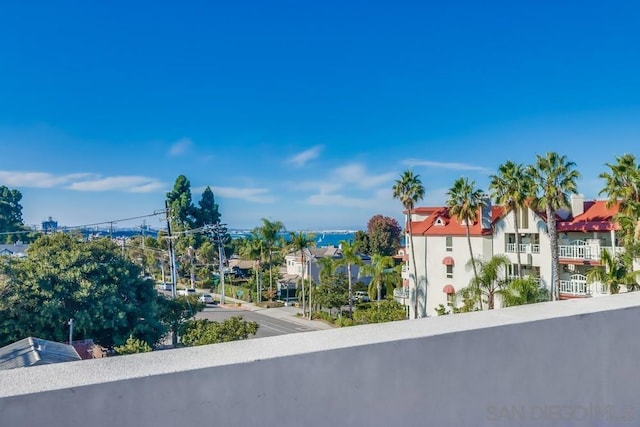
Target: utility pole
(172,258)
(216,232)
(71,331)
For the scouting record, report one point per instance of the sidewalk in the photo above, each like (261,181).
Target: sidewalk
(289,314)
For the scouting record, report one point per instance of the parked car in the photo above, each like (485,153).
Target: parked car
(207,299)
(187,291)
(361,296)
(165,286)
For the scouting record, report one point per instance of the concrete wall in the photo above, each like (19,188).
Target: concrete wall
(567,363)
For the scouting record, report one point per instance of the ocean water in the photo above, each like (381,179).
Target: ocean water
(321,238)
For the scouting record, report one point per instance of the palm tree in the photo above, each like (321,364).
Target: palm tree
(269,233)
(253,249)
(511,187)
(523,291)
(614,273)
(380,266)
(300,242)
(349,259)
(409,190)
(554,179)
(464,202)
(490,280)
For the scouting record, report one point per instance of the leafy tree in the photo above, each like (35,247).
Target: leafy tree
(11,216)
(349,259)
(512,187)
(379,267)
(175,312)
(208,211)
(361,242)
(615,273)
(300,243)
(386,311)
(490,279)
(409,190)
(554,178)
(622,186)
(133,346)
(63,278)
(523,291)
(181,204)
(384,235)
(269,233)
(204,331)
(464,202)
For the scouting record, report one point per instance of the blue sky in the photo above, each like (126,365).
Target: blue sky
(304,112)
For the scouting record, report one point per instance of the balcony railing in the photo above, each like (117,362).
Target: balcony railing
(511,278)
(578,286)
(525,248)
(583,251)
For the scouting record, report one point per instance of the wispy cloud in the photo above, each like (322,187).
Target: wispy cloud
(180,147)
(302,158)
(353,176)
(134,184)
(257,195)
(445,165)
(39,179)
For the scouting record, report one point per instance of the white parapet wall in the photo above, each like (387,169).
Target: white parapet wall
(567,363)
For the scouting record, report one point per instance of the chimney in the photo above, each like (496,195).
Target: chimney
(577,204)
(485,213)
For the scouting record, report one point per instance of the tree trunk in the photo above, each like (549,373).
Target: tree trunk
(473,262)
(304,300)
(516,226)
(415,271)
(379,291)
(555,257)
(270,276)
(350,296)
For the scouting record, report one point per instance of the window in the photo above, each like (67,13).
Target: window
(451,300)
(449,271)
(523,217)
(449,243)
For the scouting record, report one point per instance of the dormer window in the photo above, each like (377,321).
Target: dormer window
(439,221)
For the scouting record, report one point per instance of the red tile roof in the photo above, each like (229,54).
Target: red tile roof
(448,226)
(596,217)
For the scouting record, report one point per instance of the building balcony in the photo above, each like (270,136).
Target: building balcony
(585,251)
(336,377)
(525,248)
(577,287)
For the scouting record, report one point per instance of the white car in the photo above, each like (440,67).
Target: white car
(187,291)
(206,298)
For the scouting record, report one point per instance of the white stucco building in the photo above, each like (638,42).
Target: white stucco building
(442,251)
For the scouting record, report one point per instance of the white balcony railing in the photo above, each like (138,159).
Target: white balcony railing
(510,278)
(583,251)
(525,248)
(578,286)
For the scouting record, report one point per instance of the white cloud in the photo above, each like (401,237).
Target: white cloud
(302,158)
(38,179)
(356,173)
(180,147)
(135,184)
(256,195)
(445,165)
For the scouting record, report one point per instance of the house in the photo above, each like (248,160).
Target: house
(17,249)
(293,263)
(441,250)
(32,351)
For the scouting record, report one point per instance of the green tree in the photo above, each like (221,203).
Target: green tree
(512,187)
(175,312)
(11,216)
(615,273)
(464,202)
(208,211)
(409,190)
(622,187)
(181,204)
(386,311)
(204,331)
(133,346)
(300,243)
(349,258)
(63,278)
(384,235)
(361,242)
(269,232)
(490,279)
(523,291)
(554,178)
(380,266)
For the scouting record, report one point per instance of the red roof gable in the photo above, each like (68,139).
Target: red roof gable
(439,223)
(596,217)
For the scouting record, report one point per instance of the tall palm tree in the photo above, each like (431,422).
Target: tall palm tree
(511,187)
(269,232)
(490,280)
(409,190)
(301,242)
(349,259)
(380,266)
(554,178)
(253,249)
(464,202)
(614,273)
